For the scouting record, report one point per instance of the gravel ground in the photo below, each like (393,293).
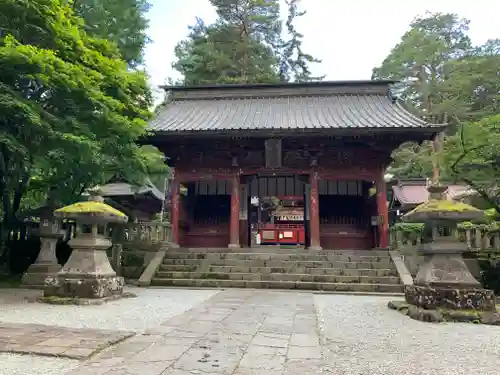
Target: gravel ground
(359,335)
(148,310)
(362,336)
(13,364)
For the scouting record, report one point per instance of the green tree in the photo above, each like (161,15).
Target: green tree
(244,45)
(473,156)
(444,78)
(70,109)
(472,86)
(294,63)
(122,21)
(420,60)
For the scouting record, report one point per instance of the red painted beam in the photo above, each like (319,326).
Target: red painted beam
(382,211)
(234,220)
(314,212)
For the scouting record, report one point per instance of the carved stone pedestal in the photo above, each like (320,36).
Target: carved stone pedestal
(87,273)
(45,265)
(452,299)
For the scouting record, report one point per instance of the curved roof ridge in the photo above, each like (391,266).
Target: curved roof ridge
(295,112)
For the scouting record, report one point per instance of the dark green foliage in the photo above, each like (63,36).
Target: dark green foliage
(123,22)
(489,264)
(71,109)
(444,78)
(244,45)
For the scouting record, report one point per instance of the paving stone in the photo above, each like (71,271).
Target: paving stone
(302,339)
(264,358)
(159,353)
(139,368)
(126,349)
(176,371)
(187,333)
(264,340)
(73,343)
(311,367)
(253,371)
(304,352)
(206,360)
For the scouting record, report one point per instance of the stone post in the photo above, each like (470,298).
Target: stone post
(46,263)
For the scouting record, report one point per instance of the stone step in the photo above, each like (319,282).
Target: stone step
(280,277)
(178,267)
(278,250)
(309,271)
(329,287)
(281,257)
(386,264)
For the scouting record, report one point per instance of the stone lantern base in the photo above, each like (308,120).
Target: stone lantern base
(444,281)
(83,287)
(432,298)
(45,265)
(87,273)
(37,273)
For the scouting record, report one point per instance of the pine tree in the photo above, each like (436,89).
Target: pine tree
(294,63)
(244,45)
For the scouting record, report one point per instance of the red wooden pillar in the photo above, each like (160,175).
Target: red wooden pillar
(175,217)
(315,243)
(234,220)
(382,212)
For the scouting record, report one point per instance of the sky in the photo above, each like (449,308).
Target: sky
(351,37)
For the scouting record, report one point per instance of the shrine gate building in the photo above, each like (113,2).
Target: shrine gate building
(290,163)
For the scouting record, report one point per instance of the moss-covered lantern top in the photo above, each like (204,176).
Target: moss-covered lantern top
(440,209)
(92,211)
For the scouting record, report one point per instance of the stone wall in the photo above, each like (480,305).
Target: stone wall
(134,258)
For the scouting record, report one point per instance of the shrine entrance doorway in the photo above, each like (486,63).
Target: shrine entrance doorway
(276,210)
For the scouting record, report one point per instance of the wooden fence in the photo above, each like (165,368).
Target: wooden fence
(475,238)
(149,232)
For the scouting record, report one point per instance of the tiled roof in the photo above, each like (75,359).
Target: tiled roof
(413,194)
(216,109)
(124,189)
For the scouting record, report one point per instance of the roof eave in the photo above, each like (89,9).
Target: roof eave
(351,83)
(428,132)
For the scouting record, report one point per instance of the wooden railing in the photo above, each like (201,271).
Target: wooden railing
(476,238)
(149,232)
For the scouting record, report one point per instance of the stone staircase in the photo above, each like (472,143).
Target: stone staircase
(328,270)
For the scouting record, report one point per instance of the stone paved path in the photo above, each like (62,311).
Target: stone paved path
(40,339)
(245,332)
(252,332)
(236,332)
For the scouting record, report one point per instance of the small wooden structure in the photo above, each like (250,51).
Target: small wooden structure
(141,202)
(328,142)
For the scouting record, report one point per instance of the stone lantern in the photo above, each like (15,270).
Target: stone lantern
(46,263)
(443,280)
(88,273)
